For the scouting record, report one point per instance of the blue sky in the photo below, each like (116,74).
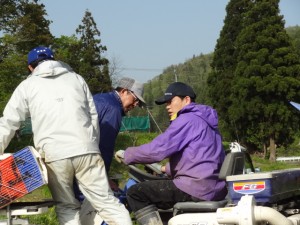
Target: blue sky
(145,37)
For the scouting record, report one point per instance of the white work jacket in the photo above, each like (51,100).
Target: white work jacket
(62,111)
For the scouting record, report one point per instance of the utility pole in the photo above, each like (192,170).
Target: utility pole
(175,75)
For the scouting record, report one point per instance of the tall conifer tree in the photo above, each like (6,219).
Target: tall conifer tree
(224,63)
(92,65)
(266,76)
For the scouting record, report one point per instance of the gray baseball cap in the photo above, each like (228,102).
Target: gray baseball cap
(136,87)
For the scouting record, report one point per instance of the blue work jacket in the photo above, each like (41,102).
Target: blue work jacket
(110,112)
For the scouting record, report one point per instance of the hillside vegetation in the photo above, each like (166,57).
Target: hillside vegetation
(249,78)
(194,72)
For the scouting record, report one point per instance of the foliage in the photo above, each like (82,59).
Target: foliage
(223,65)
(12,72)
(294,33)
(266,76)
(92,66)
(19,142)
(193,72)
(48,218)
(25,21)
(24,29)
(255,72)
(66,49)
(31,27)
(155,87)
(24,26)
(8,11)
(292,149)
(125,140)
(198,73)
(264,164)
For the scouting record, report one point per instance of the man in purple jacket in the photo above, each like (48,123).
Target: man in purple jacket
(194,147)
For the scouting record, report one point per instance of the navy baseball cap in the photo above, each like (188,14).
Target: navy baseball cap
(176,89)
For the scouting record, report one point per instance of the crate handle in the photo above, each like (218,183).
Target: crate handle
(40,163)
(5,155)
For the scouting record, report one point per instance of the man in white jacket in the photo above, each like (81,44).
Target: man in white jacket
(66,131)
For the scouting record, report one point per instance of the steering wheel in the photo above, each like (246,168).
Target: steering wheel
(150,172)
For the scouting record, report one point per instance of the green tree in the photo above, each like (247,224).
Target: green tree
(67,49)
(12,72)
(34,27)
(93,67)
(29,26)
(193,72)
(24,25)
(223,65)
(26,28)
(8,11)
(148,95)
(294,33)
(265,78)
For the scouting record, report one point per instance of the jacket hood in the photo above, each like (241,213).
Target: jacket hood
(51,68)
(207,113)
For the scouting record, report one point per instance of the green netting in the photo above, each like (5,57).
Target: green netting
(26,127)
(141,123)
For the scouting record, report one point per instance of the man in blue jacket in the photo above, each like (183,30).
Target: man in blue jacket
(193,145)
(111,107)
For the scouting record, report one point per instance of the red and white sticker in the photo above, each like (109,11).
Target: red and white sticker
(249,187)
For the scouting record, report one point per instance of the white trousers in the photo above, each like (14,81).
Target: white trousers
(89,215)
(90,173)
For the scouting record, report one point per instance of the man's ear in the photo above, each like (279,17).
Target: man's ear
(124,90)
(188,99)
(30,68)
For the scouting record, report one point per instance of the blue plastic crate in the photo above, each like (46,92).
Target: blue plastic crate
(266,187)
(20,174)
(29,168)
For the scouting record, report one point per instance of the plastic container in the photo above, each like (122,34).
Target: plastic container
(148,216)
(20,174)
(266,187)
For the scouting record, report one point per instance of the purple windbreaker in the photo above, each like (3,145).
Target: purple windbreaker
(194,147)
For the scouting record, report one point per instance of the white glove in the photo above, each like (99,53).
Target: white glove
(119,156)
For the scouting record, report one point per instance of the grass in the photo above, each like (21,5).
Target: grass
(48,218)
(266,165)
(38,195)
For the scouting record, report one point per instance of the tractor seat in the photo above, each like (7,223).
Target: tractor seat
(233,164)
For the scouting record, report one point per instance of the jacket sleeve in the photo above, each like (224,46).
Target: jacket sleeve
(14,113)
(177,135)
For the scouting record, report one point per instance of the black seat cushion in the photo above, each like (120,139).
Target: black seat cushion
(202,206)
